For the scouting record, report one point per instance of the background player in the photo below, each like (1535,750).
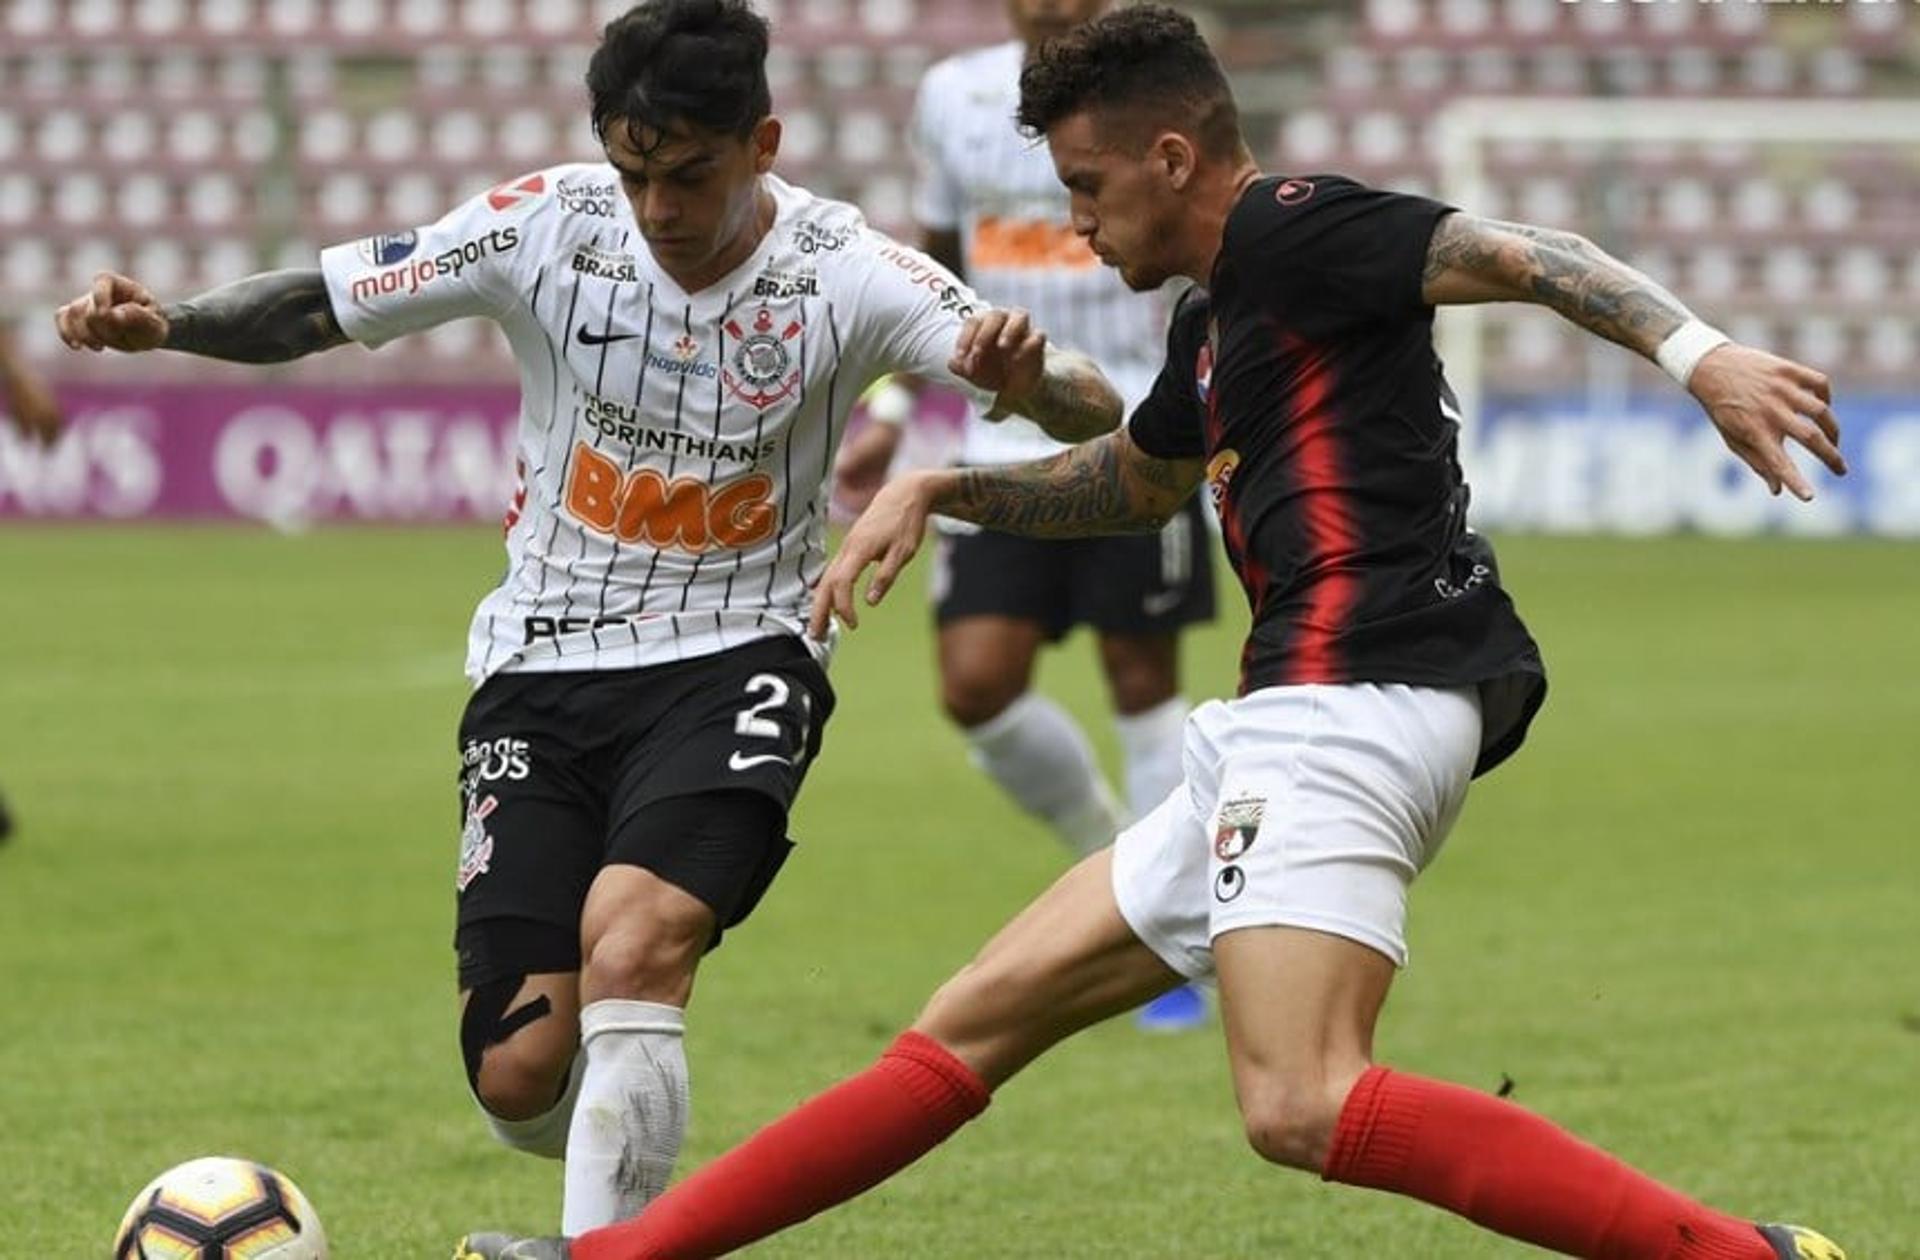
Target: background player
(1385,668)
(35,412)
(647,705)
(990,208)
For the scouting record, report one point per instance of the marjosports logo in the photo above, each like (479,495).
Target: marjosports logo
(685,514)
(421,272)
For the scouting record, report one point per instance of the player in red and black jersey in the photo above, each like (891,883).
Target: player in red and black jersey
(1386,668)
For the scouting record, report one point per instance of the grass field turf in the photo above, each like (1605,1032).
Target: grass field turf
(1684,920)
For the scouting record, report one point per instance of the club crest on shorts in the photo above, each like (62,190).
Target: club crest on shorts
(476,842)
(1239,823)
(762,373)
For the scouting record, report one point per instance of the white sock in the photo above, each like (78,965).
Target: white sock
(1152,741)
(1039,754)
(632,1111)
(545,1134)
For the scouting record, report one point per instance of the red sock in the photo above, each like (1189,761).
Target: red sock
(823,1152)
(1513,1172)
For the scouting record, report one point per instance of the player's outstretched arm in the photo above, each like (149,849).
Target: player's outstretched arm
(1062,391)
(1757,400)
(269,318)
(1106,486)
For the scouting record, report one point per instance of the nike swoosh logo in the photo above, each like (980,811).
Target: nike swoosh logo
(738,762)
(1160,602)
(587,337)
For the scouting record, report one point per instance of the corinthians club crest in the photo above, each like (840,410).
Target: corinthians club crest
(762,371)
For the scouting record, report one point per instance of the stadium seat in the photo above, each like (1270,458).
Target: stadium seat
(1789,274)
(1714,272)
(129,137)
(227,19)
(159,19)
(194,136)
(1862,274)
(161,266)
(1758,205)
(345,204)
(487,19)
(19,198)
(95,19)
(558,20)
(414,197)
(28,266)
(1829,205)
(392,136)
(11,138)
(526,137)
(64,137)
(32,19)
(143,199)
(1892,346)
(212,200)
(293,19)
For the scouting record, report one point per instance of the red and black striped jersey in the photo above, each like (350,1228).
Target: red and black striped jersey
(1305,374)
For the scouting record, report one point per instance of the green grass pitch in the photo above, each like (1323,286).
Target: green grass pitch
(1685,920)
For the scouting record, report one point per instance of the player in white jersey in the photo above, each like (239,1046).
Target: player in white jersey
(991,208)
(691,333)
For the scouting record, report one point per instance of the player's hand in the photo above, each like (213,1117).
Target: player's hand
(1759,400)
(1000,350)
(863,463)
(118,313)
(888,534)
(35,412)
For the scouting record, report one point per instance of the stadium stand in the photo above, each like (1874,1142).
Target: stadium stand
(193,140)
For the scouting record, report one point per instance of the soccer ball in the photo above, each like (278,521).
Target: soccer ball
(220,1209)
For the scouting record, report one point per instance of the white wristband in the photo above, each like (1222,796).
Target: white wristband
(890,403)
(1685,346)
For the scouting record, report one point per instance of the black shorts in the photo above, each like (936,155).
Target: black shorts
(1119,584)
(687,770)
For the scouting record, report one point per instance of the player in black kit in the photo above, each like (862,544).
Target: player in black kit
(1386,667)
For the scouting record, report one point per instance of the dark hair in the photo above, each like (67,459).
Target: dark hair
(1146,61)
(667,62)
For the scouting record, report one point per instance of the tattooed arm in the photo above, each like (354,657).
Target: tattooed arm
(1757,400)
(1485,260)
(270,318)
(1062,391)
(1106,486)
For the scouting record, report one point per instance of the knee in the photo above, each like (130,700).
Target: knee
(1142,680)
(975,697)
(523,1077)
(651,961)
(1291,1122)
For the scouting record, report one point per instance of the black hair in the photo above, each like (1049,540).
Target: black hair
(1146,61)
(668,63)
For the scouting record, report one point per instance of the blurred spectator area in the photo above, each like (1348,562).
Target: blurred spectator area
(192,141)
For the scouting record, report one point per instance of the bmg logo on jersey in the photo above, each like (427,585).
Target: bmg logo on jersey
(685,514)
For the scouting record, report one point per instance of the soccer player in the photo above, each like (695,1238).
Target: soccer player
(36,414)
(691,332)
(1385,668)
(991,210)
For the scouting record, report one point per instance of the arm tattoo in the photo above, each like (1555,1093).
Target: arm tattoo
(1106,486)
(1072,401)
(268,318)
(1561,270)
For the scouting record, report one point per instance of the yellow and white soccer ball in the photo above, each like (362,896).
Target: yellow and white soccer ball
(220,1209)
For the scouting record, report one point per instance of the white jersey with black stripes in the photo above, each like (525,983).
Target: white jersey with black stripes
(976,175)
(675,448)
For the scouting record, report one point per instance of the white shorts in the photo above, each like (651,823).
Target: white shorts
(1309,806)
